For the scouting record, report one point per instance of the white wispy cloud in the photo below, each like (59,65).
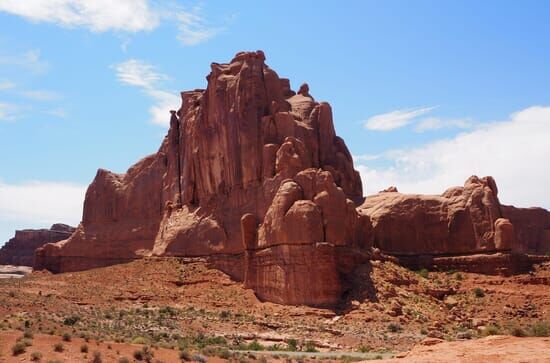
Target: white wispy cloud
(39,202)
(96,15)
(395,119)
(128,16)
(8,111)
(58,112)
(30,60)
(4,85)
(365,157)
(41,95)
(434,123)
(138,73)
(513,151)
(145,76)
(193,28)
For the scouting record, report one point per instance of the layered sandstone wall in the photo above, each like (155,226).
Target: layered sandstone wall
(252,176)
(462,221)
(233,149)
(20,249)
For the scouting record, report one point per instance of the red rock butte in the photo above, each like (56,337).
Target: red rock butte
(252,177)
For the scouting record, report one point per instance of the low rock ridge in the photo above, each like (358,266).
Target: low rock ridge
(19,250)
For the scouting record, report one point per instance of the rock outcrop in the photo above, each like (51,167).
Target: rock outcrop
(19,250)
(253,177)
(247,145)
(455,228)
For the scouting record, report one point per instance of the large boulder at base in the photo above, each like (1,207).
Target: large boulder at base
(245,145)
(20,249)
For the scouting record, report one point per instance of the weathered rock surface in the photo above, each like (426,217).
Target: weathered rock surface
(247,145)
(252,176)
(427,230)
(19,250)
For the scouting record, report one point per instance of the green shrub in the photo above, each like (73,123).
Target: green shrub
(424,273)
(517,331)
(254,345)
(139,340)
(28,334)
(71,320)
(292,345)
(310,347)
(84,348)
(185,356)
(36,356)
(478,292)
(67,337)
(394,327)
(491,330)
(58,347)
(540,329)
(18,348)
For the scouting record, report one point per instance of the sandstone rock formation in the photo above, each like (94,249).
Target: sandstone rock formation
(246,145)
(462,221)
(20,249)
(252,176)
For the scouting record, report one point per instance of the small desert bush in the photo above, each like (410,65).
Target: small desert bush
(478,292)
(254,345)
(18,348)
(517,331)
(123,360)
(67,337)
(292,345)
(424,273)
(84,348)
(185,356)
(97,357)
(139,340)
(199,358)
(394,327)
(491,330)
(540,329)
(28,334)
(310,347)
(71,320)
(58,347)
(36,356)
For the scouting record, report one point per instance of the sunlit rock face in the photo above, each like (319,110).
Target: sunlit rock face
(19,250)
(252,176)
(246,145)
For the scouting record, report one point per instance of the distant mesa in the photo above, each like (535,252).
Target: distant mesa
(19,251)
(252,177)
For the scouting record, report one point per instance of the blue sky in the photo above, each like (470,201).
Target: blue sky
(425,93)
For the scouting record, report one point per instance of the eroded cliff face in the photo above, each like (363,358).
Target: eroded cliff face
(253,177)
(247,145)
(20,249)
(429,230)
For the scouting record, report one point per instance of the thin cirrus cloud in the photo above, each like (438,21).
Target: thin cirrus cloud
(29,60)
(8,112)
(146,77)
(395,119)
(5,85)
(127,16)
(434,123)
(513,151)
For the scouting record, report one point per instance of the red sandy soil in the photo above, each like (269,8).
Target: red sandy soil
(392,308)
(492,349)
(110,352)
